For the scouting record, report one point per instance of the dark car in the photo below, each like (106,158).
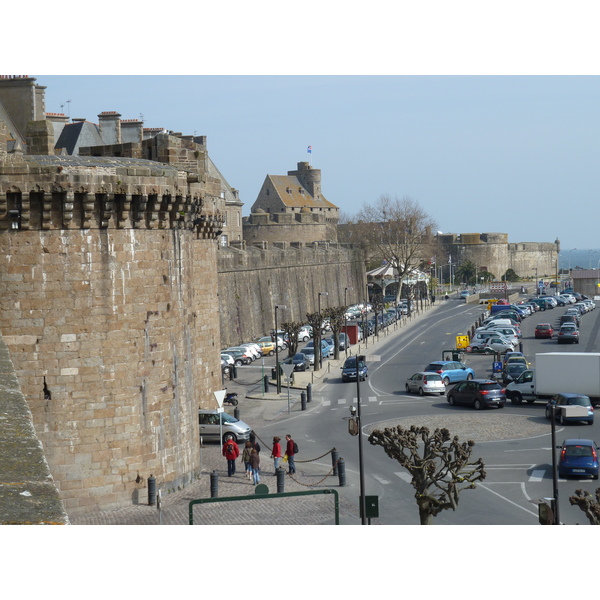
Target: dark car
(300,361)
(349,369)
(584,411)
(568,334)
(543,330)
(578,458)
(569,319)
(451,371)
(512,371)
(478,393)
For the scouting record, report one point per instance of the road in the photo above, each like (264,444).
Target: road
(514,442)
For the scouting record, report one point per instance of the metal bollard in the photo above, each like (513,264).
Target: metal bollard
(266,383)
(303,400)
(234,372)
(342,472)
(309,392)
(151,490)
(280,480)
(520,346)
(334,459)
(214,484)
(236,413)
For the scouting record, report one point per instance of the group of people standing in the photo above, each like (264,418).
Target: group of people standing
(251,456)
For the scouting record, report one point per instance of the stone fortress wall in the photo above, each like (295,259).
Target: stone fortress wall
(494,252)
(109,288)
(253,279)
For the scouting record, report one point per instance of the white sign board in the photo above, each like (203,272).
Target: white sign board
(219,397)
(287,370)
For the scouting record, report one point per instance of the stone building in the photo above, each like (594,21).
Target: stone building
(109,288)
(291,208)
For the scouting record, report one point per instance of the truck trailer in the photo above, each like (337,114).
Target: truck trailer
(556,372)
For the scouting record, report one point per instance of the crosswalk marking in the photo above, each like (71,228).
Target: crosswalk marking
(537,475)
(345,401)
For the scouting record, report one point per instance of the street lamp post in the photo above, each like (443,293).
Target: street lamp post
(346,319)
(277,375)
(356,415)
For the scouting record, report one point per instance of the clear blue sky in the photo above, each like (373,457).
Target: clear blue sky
(514,154)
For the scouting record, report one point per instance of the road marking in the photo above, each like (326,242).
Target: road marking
(481,485)
(345,401)
(381,480)
(537,475)
(404,476)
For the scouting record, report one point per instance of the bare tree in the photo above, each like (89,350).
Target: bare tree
(589,504)
(336,320)
(439,464)
(292,329)
(315,320)
(399,233)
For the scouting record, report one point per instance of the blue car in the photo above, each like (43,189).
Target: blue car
(451,371)
(563,401)
(349,369)
(578,458)
(326,349)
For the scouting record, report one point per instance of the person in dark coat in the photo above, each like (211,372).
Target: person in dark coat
(289,452)
(276,453)
(230,451)
(255,465)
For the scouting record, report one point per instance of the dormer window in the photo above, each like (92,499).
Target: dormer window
(301,190)
(288,190)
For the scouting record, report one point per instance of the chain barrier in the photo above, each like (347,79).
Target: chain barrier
(305,461)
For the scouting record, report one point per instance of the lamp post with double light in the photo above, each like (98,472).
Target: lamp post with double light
(277,374)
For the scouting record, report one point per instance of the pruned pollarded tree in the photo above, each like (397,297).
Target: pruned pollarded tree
(589,504)
(315,320)
(440,465)
(335,315)
(292,329)
(399,232)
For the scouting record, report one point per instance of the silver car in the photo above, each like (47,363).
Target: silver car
(425,382)
(210,426)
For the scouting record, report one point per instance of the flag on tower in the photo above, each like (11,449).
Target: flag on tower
(309,150)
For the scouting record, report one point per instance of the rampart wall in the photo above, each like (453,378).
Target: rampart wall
(252,281)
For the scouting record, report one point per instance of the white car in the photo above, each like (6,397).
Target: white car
(305,333)
(227,358)
(425,382)
(254,348)
(499,344)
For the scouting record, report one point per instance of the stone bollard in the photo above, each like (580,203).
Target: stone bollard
(334,459)
(309,392)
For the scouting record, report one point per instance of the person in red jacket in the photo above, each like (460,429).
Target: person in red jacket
(230,451)
(276,453)
(289,452)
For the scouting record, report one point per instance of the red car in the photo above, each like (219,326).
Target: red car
(544,330)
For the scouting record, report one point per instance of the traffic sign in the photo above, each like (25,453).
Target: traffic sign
(219,397)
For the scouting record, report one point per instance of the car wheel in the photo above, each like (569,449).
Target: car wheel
(477,404)
(407,389)
(595,476)
(451,400)
(530,400)
(421,393)
(469,377)
(271,353)
(239,363)
(442,393)
(516,399)
(446,381)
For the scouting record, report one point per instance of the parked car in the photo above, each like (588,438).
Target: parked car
(210,426)
(254,348)
(510,355)
(568,334)
(310,354)
(326,349)
(342,342)
(305,333)
(543,330)
(227,358)
(300,361)
(268,348)
(271,339)
(349,369)
(240,356)
(500,344)
(451,371)
(478,393)
(248,353)
(564,319)
(425,383)
(578,458)
(559,401)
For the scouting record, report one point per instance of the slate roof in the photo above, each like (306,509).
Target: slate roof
(80,134)
(294,197)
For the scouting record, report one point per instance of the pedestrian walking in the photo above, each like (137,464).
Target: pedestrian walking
(246,459)
(276,452)
(254,443)
(255,465)
(290,451)
(230,451)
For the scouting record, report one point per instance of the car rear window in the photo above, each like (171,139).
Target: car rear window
(579,401)
(490,386)
(578,450)
(433,367)
(433,377)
